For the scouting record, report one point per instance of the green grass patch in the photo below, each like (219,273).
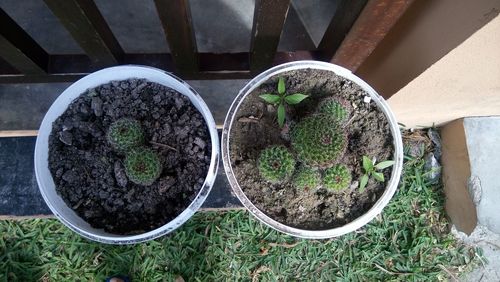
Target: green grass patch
(408,242)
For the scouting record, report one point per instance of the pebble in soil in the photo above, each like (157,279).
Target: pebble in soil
(90,176)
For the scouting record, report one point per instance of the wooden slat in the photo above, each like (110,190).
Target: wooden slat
(87,26)
(224,62)
(285,57)
(34,133)
(19,49)
(372,25)
(175,17)
(6,68)
(68,68)
(80,64)
(53,78)
(18,133)
(345,15)
(44,78)
(268,21)
(211,62)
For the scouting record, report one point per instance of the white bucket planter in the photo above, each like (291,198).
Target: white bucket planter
(302,233)
(44,178)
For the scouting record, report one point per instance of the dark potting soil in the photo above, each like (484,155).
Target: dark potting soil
(89,174)
(256,128)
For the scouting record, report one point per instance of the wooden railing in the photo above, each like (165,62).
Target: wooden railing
(23,60)
(355,30)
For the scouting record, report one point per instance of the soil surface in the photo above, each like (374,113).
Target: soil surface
(256,128)
(89,174)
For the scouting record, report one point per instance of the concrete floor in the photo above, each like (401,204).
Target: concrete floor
(489,242)
(483,146)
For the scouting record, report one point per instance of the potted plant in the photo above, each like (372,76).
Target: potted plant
(311,150)
(126,154)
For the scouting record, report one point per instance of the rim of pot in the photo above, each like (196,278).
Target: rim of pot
(305,233)
(44,177)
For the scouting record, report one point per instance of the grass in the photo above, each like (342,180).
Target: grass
(408,242)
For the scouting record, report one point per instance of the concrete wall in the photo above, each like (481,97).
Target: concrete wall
(430,78)
(466,82)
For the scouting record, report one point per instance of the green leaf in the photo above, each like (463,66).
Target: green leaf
(295,98)
(367,164)
(270,98)
(362,182)
(281,115)
(379,176)
(281,85)
(385,164)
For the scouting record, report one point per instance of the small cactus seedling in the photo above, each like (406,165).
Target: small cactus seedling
(125,134)
(370,168)
(276,164)
(306,178)
(337,178)
(281,99)
(318,140)
(335,109)
(143,166)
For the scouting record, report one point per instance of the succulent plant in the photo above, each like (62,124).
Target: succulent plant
(318,140)
(306,178)
(281,99)
(143,166)
(335,108)
(373,169)
(337,178)
(276,164)
(125,134)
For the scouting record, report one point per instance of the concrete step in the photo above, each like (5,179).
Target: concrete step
(23,106)
(20,196)
(471,167)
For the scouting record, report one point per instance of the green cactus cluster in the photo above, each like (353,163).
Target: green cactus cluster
(317,143)
(337,178)
(276,164)
(142,165)
(334,108)
(306,178)
(318,140)
(125,134)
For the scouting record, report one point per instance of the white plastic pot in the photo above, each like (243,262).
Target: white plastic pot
(302,233)
(44,178)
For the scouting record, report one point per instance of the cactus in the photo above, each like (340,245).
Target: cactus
(337,178)
(142,166)
(125,134)
(318,140)
(335,108)
(276,164)
(306,178)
